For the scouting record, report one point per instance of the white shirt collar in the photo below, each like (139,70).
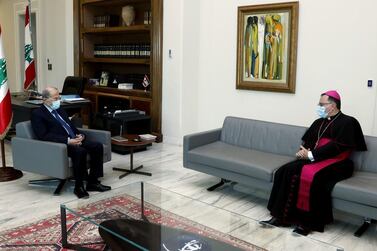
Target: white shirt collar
(48,108)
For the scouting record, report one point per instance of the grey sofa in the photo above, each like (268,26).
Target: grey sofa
(249,151)
(49,158)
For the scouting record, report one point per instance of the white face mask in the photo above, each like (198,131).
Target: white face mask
(321,111)
(55,105)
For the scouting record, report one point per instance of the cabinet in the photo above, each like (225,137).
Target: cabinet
(104,46)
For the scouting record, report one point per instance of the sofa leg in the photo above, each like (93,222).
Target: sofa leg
(222,182)
(363,228)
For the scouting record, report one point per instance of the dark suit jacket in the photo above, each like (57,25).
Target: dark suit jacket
(46,127)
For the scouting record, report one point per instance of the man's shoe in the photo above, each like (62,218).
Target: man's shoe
(274,222)
(98,187)
(301,230)
(80,192)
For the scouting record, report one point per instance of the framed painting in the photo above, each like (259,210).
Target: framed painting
(267,47)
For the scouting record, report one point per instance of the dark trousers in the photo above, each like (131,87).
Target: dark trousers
(78,156)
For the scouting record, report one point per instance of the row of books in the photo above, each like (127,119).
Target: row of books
(147,17)
(123,50)
(105,21)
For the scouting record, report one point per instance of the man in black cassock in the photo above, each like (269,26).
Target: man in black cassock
(301,193)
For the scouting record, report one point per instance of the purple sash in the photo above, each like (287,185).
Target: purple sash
(308,173)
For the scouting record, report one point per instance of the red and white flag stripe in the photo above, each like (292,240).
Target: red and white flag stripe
(29,55)
(5,101)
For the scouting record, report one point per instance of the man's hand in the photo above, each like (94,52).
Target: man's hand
(302,153)
(76,141)
(80,136)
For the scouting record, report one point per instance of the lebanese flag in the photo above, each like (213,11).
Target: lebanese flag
(29,55)
(5,102)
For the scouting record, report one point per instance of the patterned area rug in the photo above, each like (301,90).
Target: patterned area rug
(45,235)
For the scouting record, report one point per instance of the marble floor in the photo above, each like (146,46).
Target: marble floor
(21,203)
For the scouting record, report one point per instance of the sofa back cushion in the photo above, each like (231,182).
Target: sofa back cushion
(262,136)
(367,161)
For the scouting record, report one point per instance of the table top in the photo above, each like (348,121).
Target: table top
(142,201)
(130,140)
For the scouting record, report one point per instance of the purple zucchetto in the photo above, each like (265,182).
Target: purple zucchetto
(333,94)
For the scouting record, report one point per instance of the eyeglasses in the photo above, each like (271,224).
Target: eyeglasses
(323,104)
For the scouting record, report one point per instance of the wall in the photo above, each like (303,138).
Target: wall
(337,47)
(336,50)
(54,36)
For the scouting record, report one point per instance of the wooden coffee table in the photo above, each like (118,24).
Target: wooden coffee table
(133,142)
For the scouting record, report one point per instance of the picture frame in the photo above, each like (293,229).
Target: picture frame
(267,47)
(104,79)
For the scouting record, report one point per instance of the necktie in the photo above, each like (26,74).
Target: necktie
(64,124)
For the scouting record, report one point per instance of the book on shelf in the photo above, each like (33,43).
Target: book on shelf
(147,17)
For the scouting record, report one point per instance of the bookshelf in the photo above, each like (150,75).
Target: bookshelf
(105,46)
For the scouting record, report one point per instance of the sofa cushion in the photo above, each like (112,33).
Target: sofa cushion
(262,136)
(257,164)
(360,188)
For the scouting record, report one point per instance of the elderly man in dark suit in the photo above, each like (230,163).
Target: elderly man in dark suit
(50,123)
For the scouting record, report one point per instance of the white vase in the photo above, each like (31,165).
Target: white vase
(128,15)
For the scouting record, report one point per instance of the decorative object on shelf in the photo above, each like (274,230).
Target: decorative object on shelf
(146,82)
(128,15)
(93,81)
(104,78)
(266,47)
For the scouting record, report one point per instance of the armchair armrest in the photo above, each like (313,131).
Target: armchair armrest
(42,157)
(101,136)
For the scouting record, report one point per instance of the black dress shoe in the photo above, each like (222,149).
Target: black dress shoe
(80,192)
(274,222)
(301,230)
(98,187)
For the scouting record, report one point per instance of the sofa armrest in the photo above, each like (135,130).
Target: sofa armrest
(42,157)
(194,140)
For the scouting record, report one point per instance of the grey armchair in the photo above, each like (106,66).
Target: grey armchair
(49,158)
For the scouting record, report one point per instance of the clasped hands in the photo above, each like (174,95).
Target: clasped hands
(302,153)
(76,141)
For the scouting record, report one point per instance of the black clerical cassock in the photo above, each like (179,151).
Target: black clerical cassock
(301,193)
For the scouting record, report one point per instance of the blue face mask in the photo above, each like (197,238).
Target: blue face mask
(55,105)
(321,111)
